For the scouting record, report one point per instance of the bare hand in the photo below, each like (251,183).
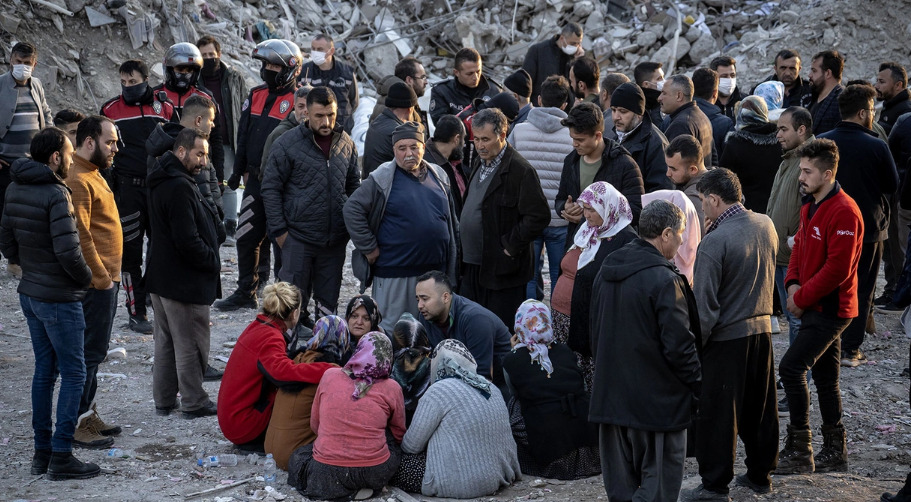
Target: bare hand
(110,286)
(280,240)
(514,340)
(792,307)
(373,255)
(571,211)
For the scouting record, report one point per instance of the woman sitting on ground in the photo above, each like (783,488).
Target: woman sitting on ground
(259,365)
(459,444)
(411,368)
(358,416)
(607,228)
(362,317)
(289,427)
(549,407)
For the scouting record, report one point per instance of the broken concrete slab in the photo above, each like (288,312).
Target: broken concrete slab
(98,18)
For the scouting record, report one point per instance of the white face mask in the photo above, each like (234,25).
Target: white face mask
(570,50)
(318,57)
(22,72)
(726,86)
(659,85)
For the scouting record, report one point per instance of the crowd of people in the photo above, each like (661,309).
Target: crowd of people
(679,215)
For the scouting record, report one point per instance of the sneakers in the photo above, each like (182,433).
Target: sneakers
(237,300)
(66,466)
(207,410)
(703,493)
(853,358)
(87,436)
(745,481)
(783,409)
(40,462)
(103,428)
(140,324)
(882,300)
(889,308)
(212,374)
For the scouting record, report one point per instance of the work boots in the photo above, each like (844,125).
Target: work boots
(903,495)
(87,436)
(105,429)
(66,466)
(834,454)
(797,455)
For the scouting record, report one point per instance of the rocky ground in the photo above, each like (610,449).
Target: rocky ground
(875,396)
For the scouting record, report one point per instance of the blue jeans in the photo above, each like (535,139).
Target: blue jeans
(793,322)
(57,340)
(98,309)
(554,239)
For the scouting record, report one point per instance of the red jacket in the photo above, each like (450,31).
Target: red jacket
(825,256)
(258,365)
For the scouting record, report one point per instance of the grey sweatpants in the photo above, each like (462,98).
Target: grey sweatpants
(641,465)
(394,296)
(181,351)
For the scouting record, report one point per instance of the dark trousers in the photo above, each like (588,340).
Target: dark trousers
(315,270)
(98,308)
(253,248)
(502,302)
(641,465)
(867,269)
(133,204)
(816,347)
(738,399)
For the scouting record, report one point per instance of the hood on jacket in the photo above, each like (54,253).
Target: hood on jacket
(546,119)
(168,166)
(26,171)
(759,134)
(631,259)
(162,138)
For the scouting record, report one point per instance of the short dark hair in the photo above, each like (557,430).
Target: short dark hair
(326,37)
(898,72)
(45,143)
(644,70)
(209,40)
(438,277)
(25,50)
(854,99)
(490,116)
(131,65)
(186,138)
(90,127)
(303,91)
(723,183)
(448,127)
(705,83)
(722,61)
(832,61)
(407,67)
(321,95)
(585,118)
(68,116)
(859,81)
(683,84)
(800,116)
(196,105)
(466,55)
(687,146)
(554,91)
(786,54)
(612,81)
(822,152)
(586,71)
(571,29)
(658,215)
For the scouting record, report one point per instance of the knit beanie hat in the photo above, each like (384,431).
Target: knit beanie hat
(519,83)
(504,101)
(629,96)
(401,95)
(408,130)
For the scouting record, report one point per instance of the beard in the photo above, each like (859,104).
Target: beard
(100,159)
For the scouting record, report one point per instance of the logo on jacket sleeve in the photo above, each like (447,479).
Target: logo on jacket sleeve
(816,235)
(246,105)
(157,107)
(283,106)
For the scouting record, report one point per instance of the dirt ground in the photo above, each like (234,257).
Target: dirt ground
(875,399)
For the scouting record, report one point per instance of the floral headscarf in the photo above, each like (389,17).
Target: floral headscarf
(330,336)
(752,111)
(371,361)
(613,208)
(451,359)
(411,368)
(534,328)
(369,304)
(772,92)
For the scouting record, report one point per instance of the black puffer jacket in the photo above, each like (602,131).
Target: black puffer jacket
(303,192)
(183,262)
(38,231)
(646,145)
(754,154)
(449,97)
(378,143)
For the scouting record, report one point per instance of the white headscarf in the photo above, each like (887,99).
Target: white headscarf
(535,331)
(613,208)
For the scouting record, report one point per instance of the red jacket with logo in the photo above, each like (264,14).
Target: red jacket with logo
(135,124)
(260,114)
(825,256)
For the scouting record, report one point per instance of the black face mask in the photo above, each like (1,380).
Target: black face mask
(133,94)
(183,80)
(270,78)
(210,66)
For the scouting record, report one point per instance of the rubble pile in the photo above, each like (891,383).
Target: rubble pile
(81,42)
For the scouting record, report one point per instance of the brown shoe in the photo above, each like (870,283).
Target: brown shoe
(103,428)
(87,436)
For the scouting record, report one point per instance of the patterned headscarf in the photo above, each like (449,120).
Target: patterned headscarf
(752,111)
(371,361)
(772,92)
(613,208)
(330,336)
(534,328)
(451,359)
(411,368)
(369,304)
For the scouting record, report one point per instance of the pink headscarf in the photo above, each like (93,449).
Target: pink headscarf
(613,208)
(685,258)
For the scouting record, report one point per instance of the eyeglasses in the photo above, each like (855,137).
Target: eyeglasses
(421,77)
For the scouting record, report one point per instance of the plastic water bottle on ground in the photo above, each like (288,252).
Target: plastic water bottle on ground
(228,459)
(269,470)
(118,454)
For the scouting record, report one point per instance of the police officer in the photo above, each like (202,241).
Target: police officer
(324,69)
(452,95)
